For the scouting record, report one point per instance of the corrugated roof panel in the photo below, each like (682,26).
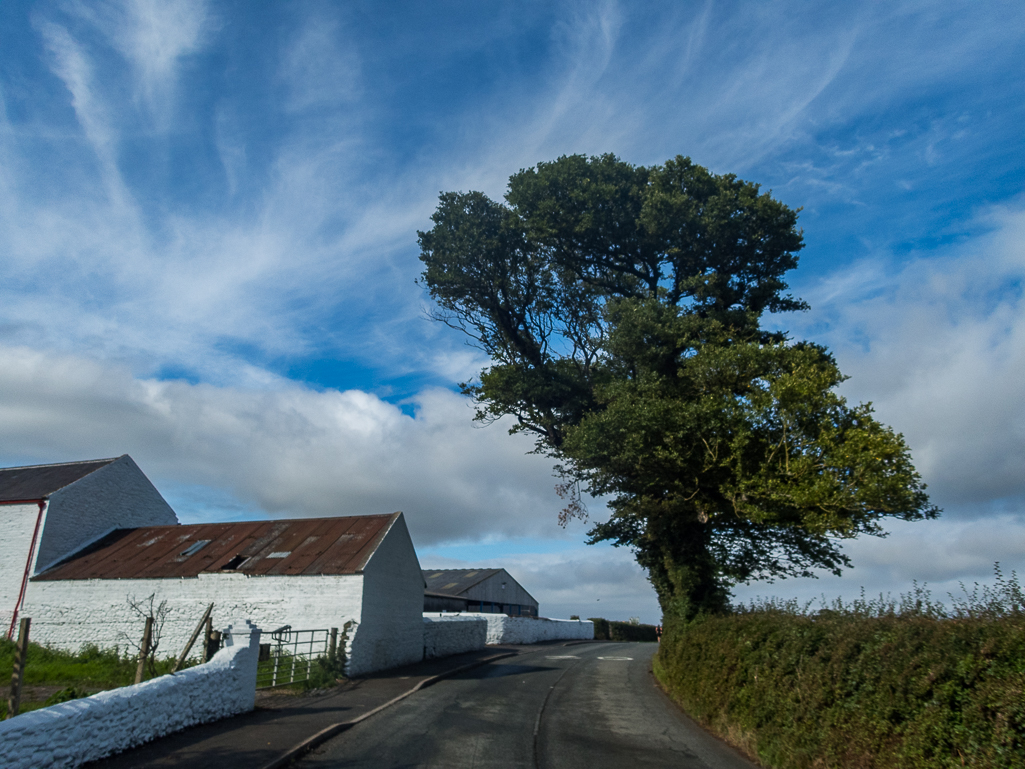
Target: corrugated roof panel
(352,547)
(315,546)
(455,581)
(316,543)
(40,481)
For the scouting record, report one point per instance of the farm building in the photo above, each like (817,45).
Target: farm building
(48,512)
(491,591)
(89,538)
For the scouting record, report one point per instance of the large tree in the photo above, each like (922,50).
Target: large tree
(621,308)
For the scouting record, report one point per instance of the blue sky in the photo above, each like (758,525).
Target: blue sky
(208,217)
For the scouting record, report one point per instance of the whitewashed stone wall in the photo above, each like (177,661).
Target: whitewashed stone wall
(16,525)
(448,634)
(391,631)
(527,630)
(69,614)
(73,733)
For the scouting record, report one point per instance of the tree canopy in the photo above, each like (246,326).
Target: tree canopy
(621,307)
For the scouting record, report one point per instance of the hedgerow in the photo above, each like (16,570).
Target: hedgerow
(879,683)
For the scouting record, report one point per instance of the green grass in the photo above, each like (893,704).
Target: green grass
(89,671)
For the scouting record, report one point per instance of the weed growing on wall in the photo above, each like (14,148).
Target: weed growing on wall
(905,682)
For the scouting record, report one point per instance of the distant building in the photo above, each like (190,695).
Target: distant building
(481,590)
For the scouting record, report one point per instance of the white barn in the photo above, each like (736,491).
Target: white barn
(307,573)
(48,512)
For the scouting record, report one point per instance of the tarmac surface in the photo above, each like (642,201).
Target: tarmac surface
(558,704)
(281,722)
(577,707)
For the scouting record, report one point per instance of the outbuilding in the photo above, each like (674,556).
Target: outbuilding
(492,591)
(48,512)
(84,542)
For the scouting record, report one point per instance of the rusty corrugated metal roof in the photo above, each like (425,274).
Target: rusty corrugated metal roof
(40,481)
(296,546)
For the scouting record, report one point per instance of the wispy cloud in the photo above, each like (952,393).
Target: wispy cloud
(320,65)
(218,193)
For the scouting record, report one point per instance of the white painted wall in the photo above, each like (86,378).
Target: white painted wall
(68,614)
(528,630)
(391,633)
(16,525)
(448,634)
(117,496)
(384,605)
(73,733)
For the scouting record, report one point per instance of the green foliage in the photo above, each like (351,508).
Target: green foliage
(91,667)
(326,672)
(873,684)
(621,308)
(605,630)
(90,670)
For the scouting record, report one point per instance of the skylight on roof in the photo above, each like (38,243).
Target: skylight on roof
(195,547)
(235,563)
(279,554)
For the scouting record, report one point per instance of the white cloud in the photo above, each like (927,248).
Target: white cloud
(320,65)
(938,345)
(155,36)
(284,449)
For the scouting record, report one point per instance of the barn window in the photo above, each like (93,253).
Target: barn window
(235,563)
(195,547)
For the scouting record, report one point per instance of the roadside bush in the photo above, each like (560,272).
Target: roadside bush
(605,630)
(885,683)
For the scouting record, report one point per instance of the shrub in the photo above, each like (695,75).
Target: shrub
(882,683)
(605,630)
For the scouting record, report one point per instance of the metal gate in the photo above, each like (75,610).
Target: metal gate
(289,658)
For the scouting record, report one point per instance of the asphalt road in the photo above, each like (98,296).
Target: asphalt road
(589,706)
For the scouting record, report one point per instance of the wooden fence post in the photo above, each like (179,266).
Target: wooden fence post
(214,643)
(208,633)
(147,638)
(18,674)
(332,648)
(192,639)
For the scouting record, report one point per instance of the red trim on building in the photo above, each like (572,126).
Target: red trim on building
(28,565)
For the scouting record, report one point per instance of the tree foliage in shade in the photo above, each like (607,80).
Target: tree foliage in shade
(621,309)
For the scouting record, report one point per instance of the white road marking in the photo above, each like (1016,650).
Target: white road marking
(563,657)
(615,658)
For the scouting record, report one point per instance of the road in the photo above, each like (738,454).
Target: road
(586,706)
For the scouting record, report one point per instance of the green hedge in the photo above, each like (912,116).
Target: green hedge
(863,687)
(606,630)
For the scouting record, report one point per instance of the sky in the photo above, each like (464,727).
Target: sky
(208,248)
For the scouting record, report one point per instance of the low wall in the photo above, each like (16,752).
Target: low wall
(448,634)
(529,630)
(73,733)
